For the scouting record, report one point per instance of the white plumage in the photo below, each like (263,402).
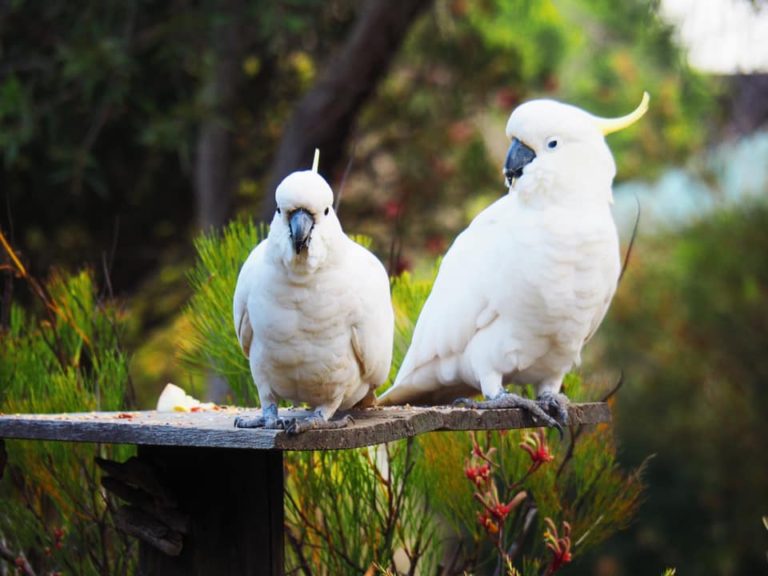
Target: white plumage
(529,281)
(312,310)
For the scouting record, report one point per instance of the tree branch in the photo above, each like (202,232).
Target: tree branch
(325,116)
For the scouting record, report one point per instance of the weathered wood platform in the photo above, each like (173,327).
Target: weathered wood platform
(228,482)
(214,429)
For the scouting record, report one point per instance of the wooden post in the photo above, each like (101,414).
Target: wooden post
(229,481)
(234,499)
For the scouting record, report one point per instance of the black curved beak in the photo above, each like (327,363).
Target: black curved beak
(301,223)
(517,157)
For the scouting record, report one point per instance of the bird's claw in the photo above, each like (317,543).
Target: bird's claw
(464,403)
(261,422)
(316,422)
(506,400)
(555,404)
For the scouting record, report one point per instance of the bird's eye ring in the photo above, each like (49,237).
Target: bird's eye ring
(552,143)
(327,208)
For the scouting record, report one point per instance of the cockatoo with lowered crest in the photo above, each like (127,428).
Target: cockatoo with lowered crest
(312,311)
(526,285)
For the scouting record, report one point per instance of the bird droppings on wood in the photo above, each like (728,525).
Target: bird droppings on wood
(215,429)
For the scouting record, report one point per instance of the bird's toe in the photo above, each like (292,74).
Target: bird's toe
(556,405)
(464,403)
(246,422)
(317,422)
(506,401)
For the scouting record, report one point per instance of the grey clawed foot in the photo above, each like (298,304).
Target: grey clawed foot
(317,422)
(261,422)
(464,403)
(507,400)
(268,420)
(555,405)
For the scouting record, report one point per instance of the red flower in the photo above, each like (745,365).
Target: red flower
(501,510)
(536,446)
(488,523)
(560,546)
(393,209)
(58,537)
(478,475)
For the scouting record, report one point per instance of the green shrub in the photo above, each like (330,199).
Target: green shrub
(64,357)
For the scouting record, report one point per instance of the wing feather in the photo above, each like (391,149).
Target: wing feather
(373,326)
(243,326)
(456,309)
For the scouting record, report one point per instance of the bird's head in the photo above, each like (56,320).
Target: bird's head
(304,221)
(559,149)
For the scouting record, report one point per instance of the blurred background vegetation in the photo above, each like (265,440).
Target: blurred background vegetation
(129,127)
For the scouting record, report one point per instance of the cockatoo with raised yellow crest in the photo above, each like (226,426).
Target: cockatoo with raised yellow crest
(312,311)
(526,285)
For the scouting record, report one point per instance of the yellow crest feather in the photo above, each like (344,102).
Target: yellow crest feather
(610,125)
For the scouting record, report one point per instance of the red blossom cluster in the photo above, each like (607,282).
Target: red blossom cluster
(58,541)
(58,538)
(479,470)
(535,443)
(560,546)
(478,475)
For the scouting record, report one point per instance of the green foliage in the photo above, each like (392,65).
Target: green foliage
(624,49)
(583,485)
(688,327)
(71,362)
(65,358)
(101,103)
(349,509)
(212,343)
(408,297)
(439,117)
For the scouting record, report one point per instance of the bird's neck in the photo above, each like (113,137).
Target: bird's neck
(317,257)
(544,194)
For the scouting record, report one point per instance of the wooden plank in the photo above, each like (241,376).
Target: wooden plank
(234,502)
(216,429)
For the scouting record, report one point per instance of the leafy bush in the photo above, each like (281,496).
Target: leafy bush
(690,327)
(212,343)
(65,357)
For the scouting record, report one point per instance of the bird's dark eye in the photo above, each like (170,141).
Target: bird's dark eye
(552,143)
(278,211)
(327,208)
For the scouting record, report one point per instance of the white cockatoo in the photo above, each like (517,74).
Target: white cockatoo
(312,311)
(529,281)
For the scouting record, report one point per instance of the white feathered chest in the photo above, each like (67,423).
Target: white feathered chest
(561,269)
(303,333)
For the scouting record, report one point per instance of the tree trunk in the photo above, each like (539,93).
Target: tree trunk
(213,179)
(326,114)
(213,166)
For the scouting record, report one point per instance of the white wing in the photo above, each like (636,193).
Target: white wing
(373,328)
(458,306)
(243,327)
